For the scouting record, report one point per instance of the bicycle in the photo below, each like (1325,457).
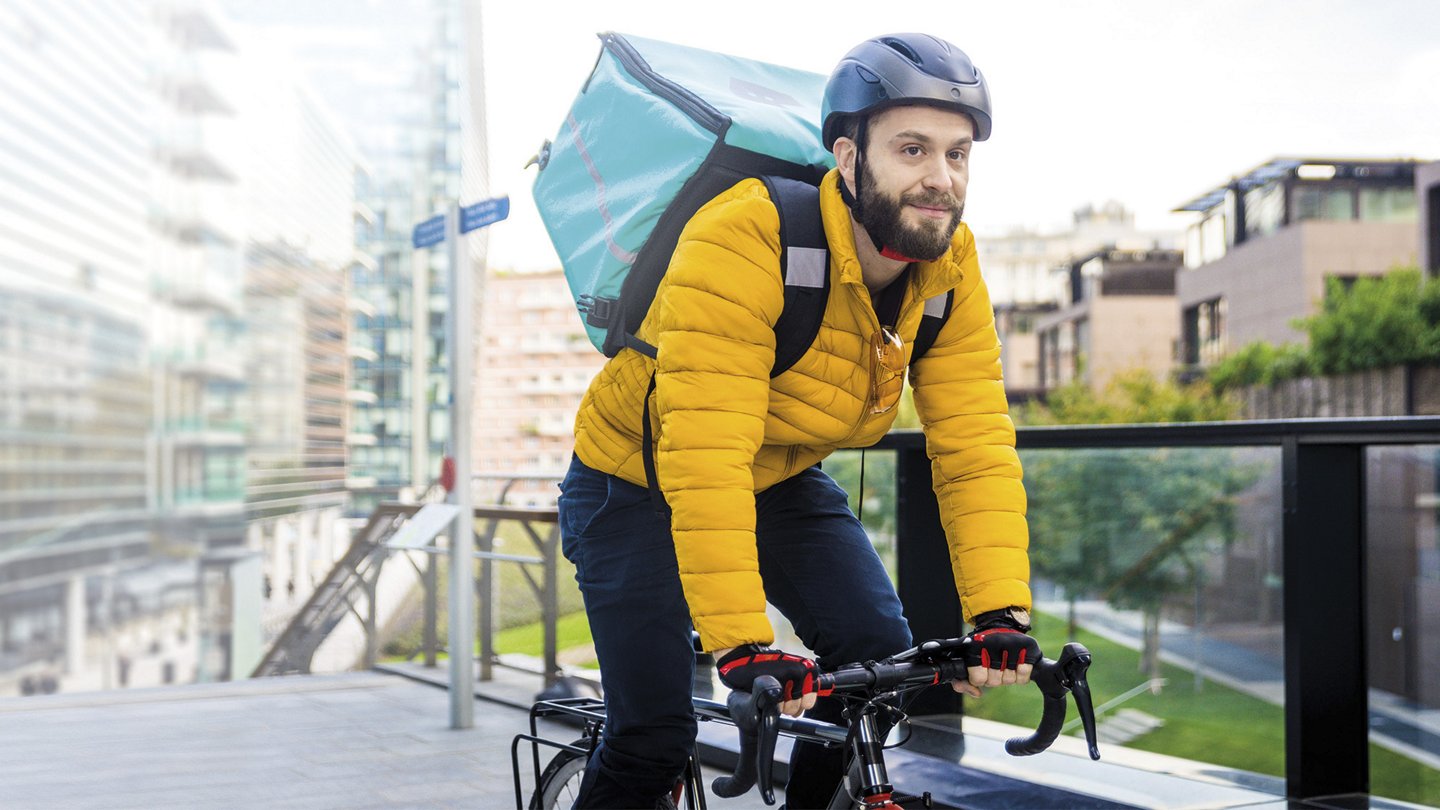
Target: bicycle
(869,690)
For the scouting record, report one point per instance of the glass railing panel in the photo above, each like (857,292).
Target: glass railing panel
(1402,627)
(1166,563)
(876,508)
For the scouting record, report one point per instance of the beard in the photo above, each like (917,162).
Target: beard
(881,216)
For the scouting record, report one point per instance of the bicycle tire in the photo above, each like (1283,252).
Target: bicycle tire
(560,781)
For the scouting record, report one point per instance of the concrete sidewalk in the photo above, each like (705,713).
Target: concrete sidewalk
(357,740)
(306,742)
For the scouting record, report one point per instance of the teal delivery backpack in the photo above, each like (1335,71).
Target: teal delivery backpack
(657,131)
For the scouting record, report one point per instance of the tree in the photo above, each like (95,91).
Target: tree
(1376,322)
(1370,322)
(1260,363)
(1134,397)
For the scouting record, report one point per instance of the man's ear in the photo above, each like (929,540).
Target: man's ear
(845,152)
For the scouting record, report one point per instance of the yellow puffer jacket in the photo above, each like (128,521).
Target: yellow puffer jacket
(725,430)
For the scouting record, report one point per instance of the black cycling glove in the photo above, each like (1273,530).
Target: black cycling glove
(742,665)
(1000,642)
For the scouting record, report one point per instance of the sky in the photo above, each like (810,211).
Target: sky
(1149,103)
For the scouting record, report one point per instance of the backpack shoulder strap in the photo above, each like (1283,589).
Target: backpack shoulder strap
(805,266)
(937,310)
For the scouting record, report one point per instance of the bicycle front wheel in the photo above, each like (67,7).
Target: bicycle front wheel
(559,783)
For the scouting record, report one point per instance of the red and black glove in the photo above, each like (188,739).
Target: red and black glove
(742,665)
(1000,642)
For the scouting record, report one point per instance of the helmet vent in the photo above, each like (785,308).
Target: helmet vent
(903,48)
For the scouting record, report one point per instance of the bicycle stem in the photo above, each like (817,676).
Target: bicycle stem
(868,745)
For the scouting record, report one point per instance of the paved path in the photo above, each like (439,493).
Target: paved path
(353,741)
(356,741)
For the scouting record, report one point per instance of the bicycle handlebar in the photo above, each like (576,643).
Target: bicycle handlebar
(756,713)
(1065,674)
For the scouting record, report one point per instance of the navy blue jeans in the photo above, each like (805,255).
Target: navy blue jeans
(819,570)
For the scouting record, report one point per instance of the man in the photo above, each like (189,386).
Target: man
(751,516)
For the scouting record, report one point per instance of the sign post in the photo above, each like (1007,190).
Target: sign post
(448,227)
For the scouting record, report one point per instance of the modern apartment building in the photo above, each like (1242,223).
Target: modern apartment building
(76,488)
(1427,196)
(535,364)
(1263,244)
(298,185)
(197,262)
(126,180)
(1027,273)
(1118,315)
(414,98)
(297,364)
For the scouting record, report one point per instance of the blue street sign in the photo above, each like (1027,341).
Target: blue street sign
(430,232)
(485,212)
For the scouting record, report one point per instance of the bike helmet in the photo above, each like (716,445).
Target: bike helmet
(903,69)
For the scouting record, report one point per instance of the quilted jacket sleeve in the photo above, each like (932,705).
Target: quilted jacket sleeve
(713,328)
(971,443)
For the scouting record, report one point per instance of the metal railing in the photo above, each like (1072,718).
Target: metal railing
(350,589)
(1322,547)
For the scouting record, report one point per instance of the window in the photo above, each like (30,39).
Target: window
(1264,210)
(1204,333)
(1205,241)
(1387,205)
(1322,202)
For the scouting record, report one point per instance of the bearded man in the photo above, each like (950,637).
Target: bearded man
(749,514)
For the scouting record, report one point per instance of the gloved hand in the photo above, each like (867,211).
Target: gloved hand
(1001,653)
(740,666)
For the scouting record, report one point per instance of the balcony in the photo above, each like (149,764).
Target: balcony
(200,148)
(356,396)
(221,364)
(204,278)
(197,212)
(358,352)
(206,432)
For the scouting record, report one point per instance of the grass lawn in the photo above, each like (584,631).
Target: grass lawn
(571,631)
(1216,724)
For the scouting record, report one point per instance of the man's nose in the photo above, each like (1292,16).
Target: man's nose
(938,175)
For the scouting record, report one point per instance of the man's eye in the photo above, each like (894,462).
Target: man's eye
(957,155)
(913,151)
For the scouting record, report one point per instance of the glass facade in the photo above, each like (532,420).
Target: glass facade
(75,396)
(1321,202)
(1264,210)
(1388,205)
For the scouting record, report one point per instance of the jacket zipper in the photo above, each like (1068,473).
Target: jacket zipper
(870,389)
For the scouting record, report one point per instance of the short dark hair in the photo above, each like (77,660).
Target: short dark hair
(849,126)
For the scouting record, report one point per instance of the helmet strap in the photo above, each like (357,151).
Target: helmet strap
(853,200)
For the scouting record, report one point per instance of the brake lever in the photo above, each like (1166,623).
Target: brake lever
(1074,664)
(757,716)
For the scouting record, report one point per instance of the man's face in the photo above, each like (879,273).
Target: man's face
(914,175)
